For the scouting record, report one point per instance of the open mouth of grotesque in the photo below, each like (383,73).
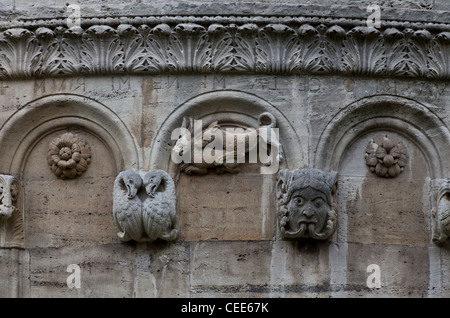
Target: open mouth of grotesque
(308,220)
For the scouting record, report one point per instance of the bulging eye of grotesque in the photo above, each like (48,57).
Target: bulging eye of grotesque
(447,196)
(318,202)
(299,201)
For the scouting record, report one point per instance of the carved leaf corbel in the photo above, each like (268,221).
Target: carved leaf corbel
(158,43)
(133,46)
(145,49)
(101,50)
(189,48)
(320,48)
(363,52)
(19,53)
(245,56)
(70,45)
(222,49)
(277,49)
(406,52)
(439,61)
(50,51)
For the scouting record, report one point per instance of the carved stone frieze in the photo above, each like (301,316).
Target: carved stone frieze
(289,45)
(144,206)
(68,156)
(11,214)
(305,203)
(386,156)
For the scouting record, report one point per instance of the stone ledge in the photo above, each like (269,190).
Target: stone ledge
(226,44)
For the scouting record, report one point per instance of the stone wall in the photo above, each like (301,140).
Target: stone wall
(124,79)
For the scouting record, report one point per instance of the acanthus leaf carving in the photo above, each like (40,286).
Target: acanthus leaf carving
(363,52)
(239,46)
(19,53)
(222,49)
(101,50)
(277,49)
(320,48)
(439,61)
(71,50)
(407,52)
(50,51)
(145,48)
(245,39)
(189,48)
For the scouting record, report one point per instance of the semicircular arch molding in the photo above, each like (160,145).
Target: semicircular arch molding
(38,118)
(416,121)
(234,108)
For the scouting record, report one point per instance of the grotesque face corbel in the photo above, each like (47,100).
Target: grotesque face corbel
(441,214)
(306,208)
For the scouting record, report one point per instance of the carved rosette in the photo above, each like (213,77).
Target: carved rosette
(68,156)
(386,156)
(305,203)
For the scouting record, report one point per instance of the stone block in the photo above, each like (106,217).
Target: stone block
(260,269)
(226,207)
(404,270)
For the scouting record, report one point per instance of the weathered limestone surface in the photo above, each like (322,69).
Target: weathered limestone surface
(229,241)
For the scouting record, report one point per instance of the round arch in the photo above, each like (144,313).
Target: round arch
(227,107)
(407,117)
(44,115)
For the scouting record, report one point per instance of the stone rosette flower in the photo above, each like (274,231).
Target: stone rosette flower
(68,156)
(386,156)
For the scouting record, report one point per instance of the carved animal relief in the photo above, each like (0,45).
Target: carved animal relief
(441,214)
(225,148)
(11,218)
(386,156)
(69,156)
(305,203)
(144,206)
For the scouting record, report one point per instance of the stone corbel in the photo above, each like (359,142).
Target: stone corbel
(305,203)
(144,206)
(11,213)
(441,213)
